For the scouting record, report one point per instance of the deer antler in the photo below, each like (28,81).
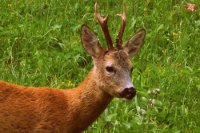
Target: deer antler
(121,30)
(103,23)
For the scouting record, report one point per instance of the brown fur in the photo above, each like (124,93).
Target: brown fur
(47,110)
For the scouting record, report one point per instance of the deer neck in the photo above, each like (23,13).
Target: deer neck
(91,89)
(91,100)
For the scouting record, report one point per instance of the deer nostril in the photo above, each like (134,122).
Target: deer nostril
(128,90)
(128,93)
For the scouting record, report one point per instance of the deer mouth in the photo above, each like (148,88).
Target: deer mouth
(128,94)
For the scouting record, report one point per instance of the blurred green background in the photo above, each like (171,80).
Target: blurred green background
(40,46)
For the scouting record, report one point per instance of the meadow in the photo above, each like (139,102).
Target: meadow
(40,46)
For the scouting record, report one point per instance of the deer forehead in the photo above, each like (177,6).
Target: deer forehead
(117,58)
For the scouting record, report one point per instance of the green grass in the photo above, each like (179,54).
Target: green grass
(40,46)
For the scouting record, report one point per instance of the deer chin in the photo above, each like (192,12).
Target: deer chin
(129,96)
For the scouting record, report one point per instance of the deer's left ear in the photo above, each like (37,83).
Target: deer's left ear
(133,45)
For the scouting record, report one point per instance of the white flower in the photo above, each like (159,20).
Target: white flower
(142,111)
(149,92)
(156,91)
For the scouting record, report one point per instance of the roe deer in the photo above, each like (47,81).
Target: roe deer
(46,110)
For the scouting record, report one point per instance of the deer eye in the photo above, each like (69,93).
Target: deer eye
(110,69)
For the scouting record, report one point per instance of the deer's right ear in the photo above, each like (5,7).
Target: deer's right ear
(90,42)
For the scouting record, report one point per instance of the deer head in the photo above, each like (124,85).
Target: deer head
(112,66)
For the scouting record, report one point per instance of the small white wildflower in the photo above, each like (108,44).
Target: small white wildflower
(138,108)
(152,102)
(156,91)
(142,111)
(149,92)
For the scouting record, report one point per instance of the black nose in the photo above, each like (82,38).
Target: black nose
(128,93)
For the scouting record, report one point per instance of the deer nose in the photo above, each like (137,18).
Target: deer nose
(128,93)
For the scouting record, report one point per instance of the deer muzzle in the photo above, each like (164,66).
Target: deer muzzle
(128,93)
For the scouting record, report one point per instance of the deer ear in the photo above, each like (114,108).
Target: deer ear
(90,42)
(133,45)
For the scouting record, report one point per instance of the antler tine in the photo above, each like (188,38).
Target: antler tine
(103,23)
(121,30)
